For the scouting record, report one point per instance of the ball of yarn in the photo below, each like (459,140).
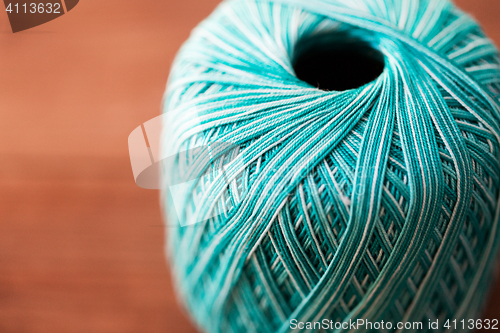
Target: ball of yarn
(333,160)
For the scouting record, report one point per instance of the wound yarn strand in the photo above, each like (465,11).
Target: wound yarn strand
(378,202)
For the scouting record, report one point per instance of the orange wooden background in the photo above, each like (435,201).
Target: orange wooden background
(81,246)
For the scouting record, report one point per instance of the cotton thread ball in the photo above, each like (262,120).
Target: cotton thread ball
(345,198)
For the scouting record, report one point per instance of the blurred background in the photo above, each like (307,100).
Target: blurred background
(81,246)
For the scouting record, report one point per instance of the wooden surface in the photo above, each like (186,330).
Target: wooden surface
(81,246)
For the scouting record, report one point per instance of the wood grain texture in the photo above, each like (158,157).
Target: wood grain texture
(81,246)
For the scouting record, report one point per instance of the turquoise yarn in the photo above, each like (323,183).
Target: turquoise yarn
(379,202)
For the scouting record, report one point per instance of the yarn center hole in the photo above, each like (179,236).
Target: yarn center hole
(338,63)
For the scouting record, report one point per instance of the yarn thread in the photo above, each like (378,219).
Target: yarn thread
(379,202)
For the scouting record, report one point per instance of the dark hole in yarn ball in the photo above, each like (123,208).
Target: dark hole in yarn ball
(336,64)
